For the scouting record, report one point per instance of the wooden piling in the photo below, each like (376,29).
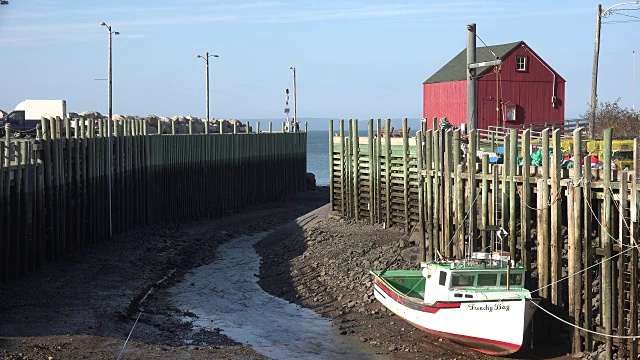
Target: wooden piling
(343,169)
(485,201)
(587,256)
(372,170)
(472,189)
(331,169)
(525,208)
(421,204)
(556,221)
(405,174)
(606,235)
(513,157)
(355,149)
(429,213)
(575,241)
(387,163)
(633,264)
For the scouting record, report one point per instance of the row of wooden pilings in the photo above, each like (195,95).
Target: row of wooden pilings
(61,192)
(574,230)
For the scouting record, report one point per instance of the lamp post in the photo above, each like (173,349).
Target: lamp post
(596,54)
(295,100)
(110,101)
(206,60)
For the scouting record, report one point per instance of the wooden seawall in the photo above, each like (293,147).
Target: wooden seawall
(575,230)
(62,192)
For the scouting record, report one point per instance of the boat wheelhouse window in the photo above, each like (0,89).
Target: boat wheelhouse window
(443,278)
(514,279)
(458,295)
(487,279)
(462,280)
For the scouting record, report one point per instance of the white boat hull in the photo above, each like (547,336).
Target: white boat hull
(493,327)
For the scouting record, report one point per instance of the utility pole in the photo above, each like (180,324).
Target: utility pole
(596,54)
(295,100)
(206,61)
(594,75)
(471,78)
(109,127)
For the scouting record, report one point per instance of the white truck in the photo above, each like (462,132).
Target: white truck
(27,115)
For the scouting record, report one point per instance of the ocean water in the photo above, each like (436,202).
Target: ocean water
(318,153)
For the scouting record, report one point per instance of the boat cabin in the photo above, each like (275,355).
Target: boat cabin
(455,283)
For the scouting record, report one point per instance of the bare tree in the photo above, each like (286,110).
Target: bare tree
(624,121)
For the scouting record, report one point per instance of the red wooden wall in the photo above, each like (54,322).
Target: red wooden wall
(531,91)
(446,99)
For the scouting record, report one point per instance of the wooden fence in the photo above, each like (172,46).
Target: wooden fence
(574,230)
(61,192)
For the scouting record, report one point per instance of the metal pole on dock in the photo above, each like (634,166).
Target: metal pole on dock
(471,77)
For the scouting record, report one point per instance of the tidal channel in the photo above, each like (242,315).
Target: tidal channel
(225,295)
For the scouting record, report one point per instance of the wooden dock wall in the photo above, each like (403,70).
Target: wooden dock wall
(575,230)
(54,191)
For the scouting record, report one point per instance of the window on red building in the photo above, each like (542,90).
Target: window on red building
(521,63)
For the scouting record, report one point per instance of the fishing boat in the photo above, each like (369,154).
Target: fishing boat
(479,302)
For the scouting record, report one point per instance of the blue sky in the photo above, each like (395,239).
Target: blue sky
(353,59)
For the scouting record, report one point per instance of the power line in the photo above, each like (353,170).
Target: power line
(620,22)
(631,16)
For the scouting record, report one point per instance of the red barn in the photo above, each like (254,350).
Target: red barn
(524,92)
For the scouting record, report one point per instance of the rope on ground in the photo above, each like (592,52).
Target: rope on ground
(581,328)
(128,337)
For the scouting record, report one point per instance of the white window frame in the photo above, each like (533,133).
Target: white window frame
(521,63)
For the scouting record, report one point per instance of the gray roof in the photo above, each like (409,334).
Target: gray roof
(456,69)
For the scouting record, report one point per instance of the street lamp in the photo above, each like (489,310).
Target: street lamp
(110,100)
(295,100)
(596,53)
(206,60)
